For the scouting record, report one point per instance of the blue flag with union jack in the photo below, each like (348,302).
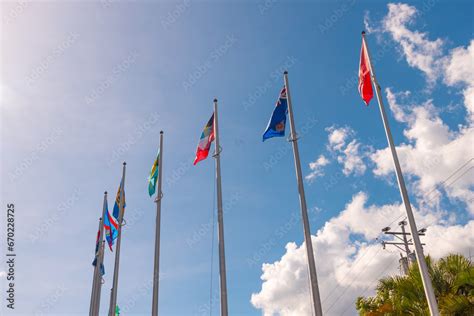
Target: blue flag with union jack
(276,125)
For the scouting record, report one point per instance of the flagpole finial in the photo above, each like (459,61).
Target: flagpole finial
(161,132)
(363,32)
(105,192)
(124,163)
(215,99)
(285,72)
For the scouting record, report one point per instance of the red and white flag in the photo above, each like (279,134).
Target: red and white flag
(365,84)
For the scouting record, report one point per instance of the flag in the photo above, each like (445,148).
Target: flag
(97,248)
(365,85)
(102,268)
(111,220)
(153,175)
(117,201)
(276,125)
(207,137)
(110,227)
(97,243)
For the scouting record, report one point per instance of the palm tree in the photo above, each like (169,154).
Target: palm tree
(453,282)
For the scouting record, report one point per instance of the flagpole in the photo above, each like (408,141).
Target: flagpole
(100,260)
(113,295)
(99,283)
(428,287)
(304,211)
(156,270)
(94,280)
(94,311)
(220,218)
(97,275)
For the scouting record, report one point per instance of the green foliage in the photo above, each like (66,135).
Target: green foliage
(453,282)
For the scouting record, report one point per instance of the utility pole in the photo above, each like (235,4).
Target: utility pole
(403,245)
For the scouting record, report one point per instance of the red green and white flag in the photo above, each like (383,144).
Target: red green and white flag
(207,137)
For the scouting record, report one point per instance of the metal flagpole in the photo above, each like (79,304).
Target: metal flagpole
(94,280)
(304,212)
(429,292)
(97,276)
(113,295)
(99,283)
(220,218)
(156,270)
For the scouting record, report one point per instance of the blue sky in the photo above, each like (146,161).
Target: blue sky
(88,85)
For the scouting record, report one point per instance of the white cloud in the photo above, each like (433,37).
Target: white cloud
(348,269)
(335,257)
(367,23)
(433,151)
(457,68)
(457,238)
(459,71)
(432,154)
(317,168)
(460,68)
(396,108)
(418,50)
(352,159)
(337,136)
(348,149)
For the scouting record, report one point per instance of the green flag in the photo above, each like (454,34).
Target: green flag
(153,178)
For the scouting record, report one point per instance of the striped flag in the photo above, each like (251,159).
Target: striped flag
(110,227)
(207,137)
(111,220)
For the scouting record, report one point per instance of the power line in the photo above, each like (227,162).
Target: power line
(455,180)
(449,177)
(348,273)
(353,280)
(434,221)
(370,260)
(372,284)
(345,277)
(402,241)
(441,183)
